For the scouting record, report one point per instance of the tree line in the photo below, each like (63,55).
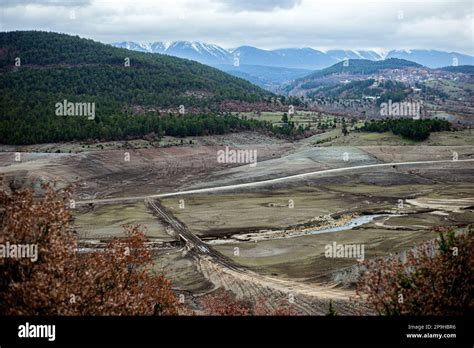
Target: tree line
(408,128)
(122,126)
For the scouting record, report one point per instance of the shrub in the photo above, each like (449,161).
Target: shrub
(437,278)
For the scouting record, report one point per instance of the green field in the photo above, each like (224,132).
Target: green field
(304,118)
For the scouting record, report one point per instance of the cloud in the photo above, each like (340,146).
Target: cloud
(366,24)
(259,5)
(51,3)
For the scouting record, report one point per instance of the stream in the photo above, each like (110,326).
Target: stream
(268,235)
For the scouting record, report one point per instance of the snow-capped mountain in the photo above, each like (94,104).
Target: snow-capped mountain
(199,51)
(299,58)
(352,54)
(134,46)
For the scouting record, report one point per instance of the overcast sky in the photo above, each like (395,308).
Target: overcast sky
(382,24)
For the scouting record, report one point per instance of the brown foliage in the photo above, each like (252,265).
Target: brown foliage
(437,278)
(114,281)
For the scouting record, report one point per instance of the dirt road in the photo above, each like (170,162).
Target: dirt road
(271,181)
(223,272)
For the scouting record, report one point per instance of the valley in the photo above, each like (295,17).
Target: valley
(329,167)
(265,230)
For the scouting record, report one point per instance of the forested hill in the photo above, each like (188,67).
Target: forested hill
(362,66)
(55,67)
(155,74)
(351,67)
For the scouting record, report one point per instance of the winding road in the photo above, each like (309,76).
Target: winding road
(268,181)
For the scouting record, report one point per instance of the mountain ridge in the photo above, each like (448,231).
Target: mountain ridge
(297,58)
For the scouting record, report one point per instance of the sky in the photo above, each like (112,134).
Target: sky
(268,24)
